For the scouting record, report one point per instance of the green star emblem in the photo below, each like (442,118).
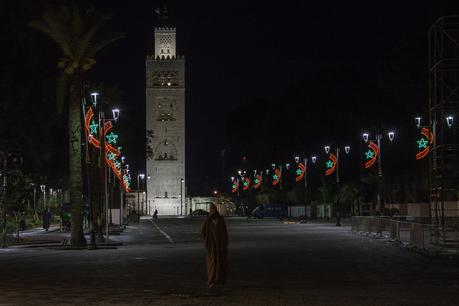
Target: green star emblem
(275,177)
(422,143)
(298,171)
(329,164)
(93,127)
(369,154)
(257,181)
(245,184)
(112,137)
(117,164)
(234,186)
(111,156)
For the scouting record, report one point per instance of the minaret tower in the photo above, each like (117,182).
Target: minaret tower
(165,94)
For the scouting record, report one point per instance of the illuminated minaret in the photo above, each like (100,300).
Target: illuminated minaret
(165,112)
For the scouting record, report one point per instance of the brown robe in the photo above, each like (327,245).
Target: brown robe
(215,238)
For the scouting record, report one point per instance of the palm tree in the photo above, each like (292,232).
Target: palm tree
(80,34)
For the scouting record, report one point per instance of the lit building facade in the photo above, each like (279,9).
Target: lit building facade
(165,119)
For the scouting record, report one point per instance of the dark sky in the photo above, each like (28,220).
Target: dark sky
(238,52)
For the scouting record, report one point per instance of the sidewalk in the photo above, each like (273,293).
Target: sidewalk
(54,237)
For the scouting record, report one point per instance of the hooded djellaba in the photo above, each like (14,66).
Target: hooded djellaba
(215,238)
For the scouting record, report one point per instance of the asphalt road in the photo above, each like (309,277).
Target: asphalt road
(271,263)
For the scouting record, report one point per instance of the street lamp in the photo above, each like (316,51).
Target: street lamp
(101,121)
(94,98)
(43,189)
(449,121)
(418,121)
(139,176)
(436,174)
(379,197)
(365,137)
(347,149)
(181,196)
(314,159)
(34,199)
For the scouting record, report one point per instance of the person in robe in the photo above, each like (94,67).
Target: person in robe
(215,238)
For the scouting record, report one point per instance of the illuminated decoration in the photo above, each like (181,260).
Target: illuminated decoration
(235,186)
(117,164)
(112,138)
(300,172)
(424,143)
(94,127)
(314,159)
(276,177)
(331,164)
(257,181)
(371,155)
(111,156)
(246,184)
(112,153)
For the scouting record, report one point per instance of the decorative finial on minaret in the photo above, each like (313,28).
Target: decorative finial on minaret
(161,13)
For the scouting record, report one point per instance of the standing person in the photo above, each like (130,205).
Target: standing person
(215,238)
(46,219)
(155,215)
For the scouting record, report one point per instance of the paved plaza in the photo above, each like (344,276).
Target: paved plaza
(271,263)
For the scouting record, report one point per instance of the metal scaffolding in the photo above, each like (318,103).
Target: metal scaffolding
(443,117)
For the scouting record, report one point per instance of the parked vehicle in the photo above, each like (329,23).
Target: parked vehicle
(199,212)
(257,213)
(270,210)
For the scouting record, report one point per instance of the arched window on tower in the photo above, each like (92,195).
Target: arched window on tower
(165,151)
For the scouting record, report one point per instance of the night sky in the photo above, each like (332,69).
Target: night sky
(241,55)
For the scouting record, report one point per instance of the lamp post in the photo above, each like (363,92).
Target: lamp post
(139,176)
(347,149)
(121,195)
(379,197)
(436,178)
(34,199)
(43,189)
(181,196)
(148,202)
(103,152)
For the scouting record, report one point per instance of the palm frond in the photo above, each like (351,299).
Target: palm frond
(51,25)
(103,42)
(87,38)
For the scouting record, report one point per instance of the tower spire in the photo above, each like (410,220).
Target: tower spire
(162,16)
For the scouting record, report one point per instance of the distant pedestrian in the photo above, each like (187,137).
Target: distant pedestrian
(155,215)
(46,219)
(215,238)
(22,223)
(135,216)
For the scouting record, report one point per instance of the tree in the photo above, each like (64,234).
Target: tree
(80,34)
(14,192)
